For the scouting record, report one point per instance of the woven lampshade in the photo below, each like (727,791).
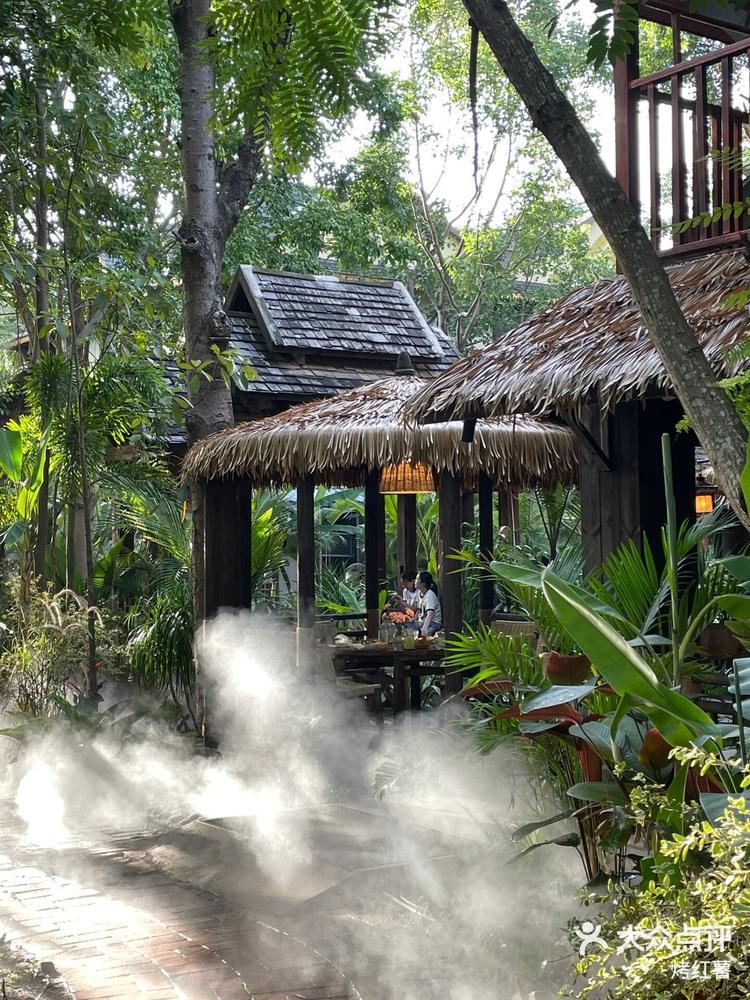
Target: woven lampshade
(407,478)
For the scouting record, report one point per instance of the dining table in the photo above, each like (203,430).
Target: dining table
(410,665)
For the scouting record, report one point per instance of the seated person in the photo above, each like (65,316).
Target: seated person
(430,614)
(409,594)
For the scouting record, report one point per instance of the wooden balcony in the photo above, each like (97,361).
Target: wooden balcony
(683,145)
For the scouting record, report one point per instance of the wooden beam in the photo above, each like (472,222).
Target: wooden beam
(407,532)
(451,582)
(306,572)
(486,545)
(227,540)
(374,534)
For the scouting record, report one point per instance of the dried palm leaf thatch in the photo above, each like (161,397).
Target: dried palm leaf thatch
(592,346)
(339,438)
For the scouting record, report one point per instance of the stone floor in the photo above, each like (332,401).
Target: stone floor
(188,913)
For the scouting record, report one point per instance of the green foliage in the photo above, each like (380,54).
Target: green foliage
(285,66)
(44,653)
(160,643)
(700,878)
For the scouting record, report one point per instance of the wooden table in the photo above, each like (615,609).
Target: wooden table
(407,664)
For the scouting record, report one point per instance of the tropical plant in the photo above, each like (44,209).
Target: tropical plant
(44,654)
(684,931)
(620,646)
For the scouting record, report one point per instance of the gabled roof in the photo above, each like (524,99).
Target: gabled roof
(592,346)
(317,374)
(321,314)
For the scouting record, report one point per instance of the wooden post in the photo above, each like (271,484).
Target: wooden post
(467,507)
(374,534)
(306,573)
(407,532)
(486,544)
(451,583)
(626,124)
(227,540)
(227,568)
(508,515)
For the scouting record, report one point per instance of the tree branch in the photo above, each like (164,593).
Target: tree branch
(236,180)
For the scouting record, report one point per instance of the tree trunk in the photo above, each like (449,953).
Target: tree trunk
(212,206)
(711,414)
(42,313)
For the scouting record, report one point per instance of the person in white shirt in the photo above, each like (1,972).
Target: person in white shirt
(409,593)
(430,615)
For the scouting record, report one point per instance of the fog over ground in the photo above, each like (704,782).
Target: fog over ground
(410,892)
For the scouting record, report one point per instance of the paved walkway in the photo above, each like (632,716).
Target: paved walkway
(127,930)
(129,915)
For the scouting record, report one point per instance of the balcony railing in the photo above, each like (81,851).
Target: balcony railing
(693,121)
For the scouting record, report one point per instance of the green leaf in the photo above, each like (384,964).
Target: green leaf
(517,574)
(11,453)
(627,702)
(14,533)
(558,694)
(598,791)
(738,566)
(715,804)
(735,605)
(597,734)
(532,728)
(566,840)
(677,718)
(521,832)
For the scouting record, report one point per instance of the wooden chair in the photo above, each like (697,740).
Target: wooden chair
(518,626)
(325,672)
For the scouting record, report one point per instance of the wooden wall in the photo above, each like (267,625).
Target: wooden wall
(627,499)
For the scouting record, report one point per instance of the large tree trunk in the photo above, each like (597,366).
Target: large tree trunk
(212,205)
(42,313)
(711,414)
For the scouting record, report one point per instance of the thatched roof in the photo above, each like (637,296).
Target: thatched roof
(337,439)
(592,346)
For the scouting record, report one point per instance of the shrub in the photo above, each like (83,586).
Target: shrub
(661,936)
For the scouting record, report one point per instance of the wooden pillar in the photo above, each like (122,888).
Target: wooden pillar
(227,540)
(486,545)
(306,573)
(374,547)
(509,516)
(467,507)
(407,532)
(626,124)
(451,583)
(227,570)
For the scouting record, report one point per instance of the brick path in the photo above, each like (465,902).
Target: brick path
(126,930)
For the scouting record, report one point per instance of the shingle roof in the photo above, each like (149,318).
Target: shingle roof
(332,313)
(320,374)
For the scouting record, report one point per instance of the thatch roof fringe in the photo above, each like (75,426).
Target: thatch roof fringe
(337,439)
(592,345)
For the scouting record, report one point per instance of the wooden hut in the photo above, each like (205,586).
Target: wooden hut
(588,362)
(361,438)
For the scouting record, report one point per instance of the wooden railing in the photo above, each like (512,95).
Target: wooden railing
(693,120)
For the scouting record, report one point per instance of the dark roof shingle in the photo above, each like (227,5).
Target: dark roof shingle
(335,314)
